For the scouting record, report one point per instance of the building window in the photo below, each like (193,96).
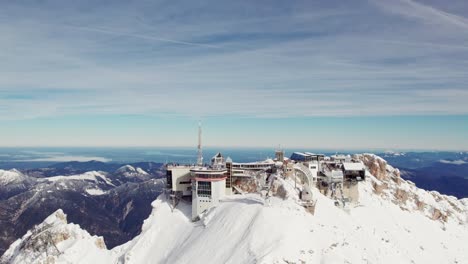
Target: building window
(228,182)
(204,189)
(169,178)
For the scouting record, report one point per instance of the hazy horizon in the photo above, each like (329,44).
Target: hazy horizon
(213,147)
(31,157)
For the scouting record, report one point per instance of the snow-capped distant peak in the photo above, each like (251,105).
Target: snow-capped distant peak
(90,175)
(453,162)
(11,176)
(141,171)
(130,171)
(126,168)
(390,153)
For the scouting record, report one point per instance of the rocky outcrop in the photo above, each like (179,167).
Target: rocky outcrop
(246,185)
(379,187)
(379,168)
(46,241)
(387,183)
(376,165)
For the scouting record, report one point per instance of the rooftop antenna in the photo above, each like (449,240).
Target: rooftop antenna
(200,154)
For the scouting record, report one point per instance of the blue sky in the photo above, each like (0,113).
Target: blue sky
(319,74)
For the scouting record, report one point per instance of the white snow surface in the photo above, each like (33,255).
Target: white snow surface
(90,175)
(130,171)
(55,235)
(378,228)
(245,229)
(11,176)
(95,191)
(453,162)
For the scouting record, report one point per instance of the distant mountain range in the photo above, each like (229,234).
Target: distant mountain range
(445,178)
(110,200)
(76,167)
(445,172)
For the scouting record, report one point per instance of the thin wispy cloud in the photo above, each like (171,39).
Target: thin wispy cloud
(242,58)
(423,12)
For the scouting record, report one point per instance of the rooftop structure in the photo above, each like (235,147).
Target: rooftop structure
(218,161)
(307,156)
(259,165)
(279,155)
(341,158)
(353,166)
(354,171)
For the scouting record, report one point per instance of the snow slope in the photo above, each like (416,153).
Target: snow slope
(130,171)
(11,176)
(382,226)
(95,191)
(245,230)
(90,176)
(45,242)
(385,181)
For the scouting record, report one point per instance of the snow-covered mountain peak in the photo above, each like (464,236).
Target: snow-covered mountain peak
(95,176)
(11,176)
(126,168)
(46,242)
(129,171)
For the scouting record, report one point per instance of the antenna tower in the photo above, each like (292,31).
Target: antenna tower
(200,154)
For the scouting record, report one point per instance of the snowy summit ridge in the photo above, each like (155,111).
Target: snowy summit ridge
(391,221)
(11,176)
(132,173)
(46,241)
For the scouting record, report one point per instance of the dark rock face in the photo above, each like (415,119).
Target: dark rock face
(129,203)
(14,189)
(115,210)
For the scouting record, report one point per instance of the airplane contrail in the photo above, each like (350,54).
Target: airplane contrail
(419,44)
(141,36)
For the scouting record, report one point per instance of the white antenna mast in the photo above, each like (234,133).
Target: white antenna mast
(200,154)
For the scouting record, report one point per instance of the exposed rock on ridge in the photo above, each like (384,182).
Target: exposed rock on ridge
(387,183)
